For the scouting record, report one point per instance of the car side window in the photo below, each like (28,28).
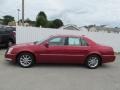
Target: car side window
(83,42)
(74,42)
(57,41)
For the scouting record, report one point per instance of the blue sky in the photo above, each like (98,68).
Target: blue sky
(79,12)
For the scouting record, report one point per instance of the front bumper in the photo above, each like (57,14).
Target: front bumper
(10,57)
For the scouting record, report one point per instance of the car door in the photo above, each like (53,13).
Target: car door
(76,50)
(4,36)
(54,53)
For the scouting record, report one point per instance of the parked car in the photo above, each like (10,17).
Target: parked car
(7,36)
(61,49)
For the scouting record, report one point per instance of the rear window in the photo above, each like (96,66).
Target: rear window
(77,42)
(74,42)
(84,42)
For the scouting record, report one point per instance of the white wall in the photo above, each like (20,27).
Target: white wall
(30,34)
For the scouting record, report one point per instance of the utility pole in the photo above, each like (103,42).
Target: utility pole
(23,12)
(18,15)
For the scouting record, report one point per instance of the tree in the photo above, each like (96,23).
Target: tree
(43,14)
(28,21)
(41,19)
(57,23)
(49,24)
(7,19)
(31,23)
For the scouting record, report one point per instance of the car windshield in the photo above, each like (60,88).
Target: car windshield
(40,41)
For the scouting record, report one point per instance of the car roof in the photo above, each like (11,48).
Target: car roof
(68,36)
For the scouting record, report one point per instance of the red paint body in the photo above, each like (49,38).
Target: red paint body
(64,53)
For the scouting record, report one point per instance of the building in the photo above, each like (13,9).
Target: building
(94,28)
(70,27)
(13,23)
(83,28)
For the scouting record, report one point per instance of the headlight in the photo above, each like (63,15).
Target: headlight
(9,50)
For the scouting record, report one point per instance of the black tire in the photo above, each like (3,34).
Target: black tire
(93,61)
(25,60)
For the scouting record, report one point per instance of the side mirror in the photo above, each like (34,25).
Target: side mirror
(46,45)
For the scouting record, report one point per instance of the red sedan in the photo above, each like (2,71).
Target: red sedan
(61,49)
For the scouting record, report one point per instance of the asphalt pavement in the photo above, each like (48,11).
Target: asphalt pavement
(59,77)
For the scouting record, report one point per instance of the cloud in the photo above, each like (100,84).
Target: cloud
(2,2)
(79,12)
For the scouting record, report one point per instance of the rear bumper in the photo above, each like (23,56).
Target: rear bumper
(10,57)
(108,58)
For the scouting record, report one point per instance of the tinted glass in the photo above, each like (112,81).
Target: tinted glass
(57,41)
(84,43)
(74,41)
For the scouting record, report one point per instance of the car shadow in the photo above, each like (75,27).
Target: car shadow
(11,64)
(80,66)
(106,66)
(60,65)
(3,48)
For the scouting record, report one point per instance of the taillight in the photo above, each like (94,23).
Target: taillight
(112,51)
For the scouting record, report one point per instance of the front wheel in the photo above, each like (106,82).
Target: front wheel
(93,61)
(25,60)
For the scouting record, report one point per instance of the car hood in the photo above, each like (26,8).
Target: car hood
(23,45)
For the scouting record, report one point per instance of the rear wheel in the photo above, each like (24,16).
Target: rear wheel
(93,61)
(25,60)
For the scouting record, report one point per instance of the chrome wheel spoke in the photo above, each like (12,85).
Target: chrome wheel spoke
(25,60)
(93,62)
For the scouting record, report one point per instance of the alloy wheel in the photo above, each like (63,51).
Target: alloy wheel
(25,60)
(93,62)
